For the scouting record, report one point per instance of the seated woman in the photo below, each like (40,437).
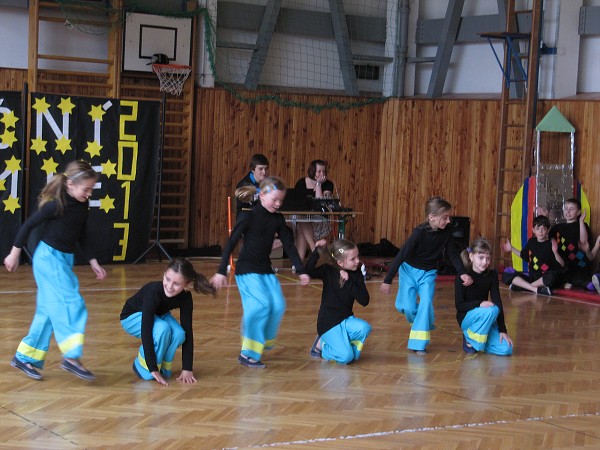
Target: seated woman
(315,185)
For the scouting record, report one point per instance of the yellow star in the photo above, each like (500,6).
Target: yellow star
(63,144)
(40,105)
(38,145)
(11,204)
(8,138)
(3,185)
(9,119)
(107,203)
(109,169)
(49,166)
(93,148)
(97,112)
(66,106)
(13,164)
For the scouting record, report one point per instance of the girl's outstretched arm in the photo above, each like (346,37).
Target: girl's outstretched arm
(98,269)
(508,247)
(385,288)
(187,377)
(159,378)
(11,262)
(218,280)
(506,337)
(466,279)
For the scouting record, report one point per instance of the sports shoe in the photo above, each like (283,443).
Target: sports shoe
(467,348)
(420,352)
(568,286)
(596,282)
(314,351)
(514,288)
(27,368)
(245,361)
(79,371)
(543,290)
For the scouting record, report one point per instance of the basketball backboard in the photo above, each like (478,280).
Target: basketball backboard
(147,34)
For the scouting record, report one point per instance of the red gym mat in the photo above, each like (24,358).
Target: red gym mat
(577,294)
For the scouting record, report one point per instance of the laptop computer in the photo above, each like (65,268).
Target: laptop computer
(295,201)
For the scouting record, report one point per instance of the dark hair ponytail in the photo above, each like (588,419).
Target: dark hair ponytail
(186,269)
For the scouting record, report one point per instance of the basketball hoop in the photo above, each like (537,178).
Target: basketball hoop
(171,77)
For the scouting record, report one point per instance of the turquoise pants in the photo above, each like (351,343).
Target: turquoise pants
(168,336)
(60,308)
(264,305)
(344,342)
(481,331)
(413,282)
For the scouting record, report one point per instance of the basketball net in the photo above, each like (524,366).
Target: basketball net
(171,77)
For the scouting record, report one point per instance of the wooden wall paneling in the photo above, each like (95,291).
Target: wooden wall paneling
(12,79)
(391,208)
(205,173)
(289,157)
(271,127)
(202,175)
(282,157)
(386,166)
(354,158)
(421,186)
(297,142)
(487,147)
(440,160)
(465,126)
(300,147)
(220,181)
(347,170)
(211,192)
(412,148)
(400,190)
(367,153)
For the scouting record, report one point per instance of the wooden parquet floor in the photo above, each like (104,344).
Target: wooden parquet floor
(547,395)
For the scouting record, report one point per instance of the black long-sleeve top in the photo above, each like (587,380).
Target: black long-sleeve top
(300,186)
(424,249)
(485,287)
(336,301)
(152,301)
(258,228)
(62,231)
(540,257)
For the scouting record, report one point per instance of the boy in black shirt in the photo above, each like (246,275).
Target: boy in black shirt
(544,260)
(572,237)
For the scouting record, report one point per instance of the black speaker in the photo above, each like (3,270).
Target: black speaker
(461,231)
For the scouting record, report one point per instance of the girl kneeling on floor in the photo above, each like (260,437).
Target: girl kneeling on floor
(147,315)
(341,336)
(481,320)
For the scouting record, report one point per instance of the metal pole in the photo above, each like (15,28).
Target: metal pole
(399,75)
(156,242)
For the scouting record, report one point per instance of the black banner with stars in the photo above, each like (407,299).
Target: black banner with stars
(120,138)
(11,168)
